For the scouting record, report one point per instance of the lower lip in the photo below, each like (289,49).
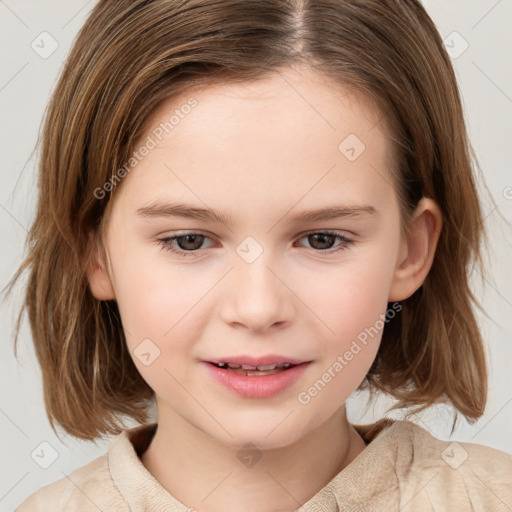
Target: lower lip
(257,386)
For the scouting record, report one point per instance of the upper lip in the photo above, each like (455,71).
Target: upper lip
(257,361)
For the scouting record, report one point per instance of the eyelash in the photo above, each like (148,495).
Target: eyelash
(166,243)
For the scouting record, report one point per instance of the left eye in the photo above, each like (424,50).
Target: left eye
(189,243)
(327,238)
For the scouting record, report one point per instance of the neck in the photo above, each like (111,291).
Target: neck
(204,474)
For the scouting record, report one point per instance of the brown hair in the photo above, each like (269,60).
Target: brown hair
(129,56)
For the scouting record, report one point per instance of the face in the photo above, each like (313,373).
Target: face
(262,279)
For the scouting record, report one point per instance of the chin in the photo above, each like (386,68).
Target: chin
(266,433)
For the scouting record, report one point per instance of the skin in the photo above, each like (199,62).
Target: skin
(259,151)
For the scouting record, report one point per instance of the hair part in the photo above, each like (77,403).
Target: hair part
(130,56)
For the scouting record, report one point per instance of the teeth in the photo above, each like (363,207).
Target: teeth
(270,367)
(274,366)
(235,366)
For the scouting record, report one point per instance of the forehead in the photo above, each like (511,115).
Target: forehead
(274,138)
(281,99)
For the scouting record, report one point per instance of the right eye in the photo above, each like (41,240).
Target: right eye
(187,243)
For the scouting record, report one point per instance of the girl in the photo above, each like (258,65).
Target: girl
(247,211)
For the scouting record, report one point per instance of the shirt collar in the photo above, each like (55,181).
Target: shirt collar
(354,485)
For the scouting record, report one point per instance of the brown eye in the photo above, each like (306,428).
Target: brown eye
(189,242)
(184,245)
(322,241)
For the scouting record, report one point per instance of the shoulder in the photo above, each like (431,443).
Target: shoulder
(447,473)
(89,488)
(114,482)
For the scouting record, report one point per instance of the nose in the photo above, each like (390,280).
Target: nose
(256,297)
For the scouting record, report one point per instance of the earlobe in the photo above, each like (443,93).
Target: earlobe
(417,250)
(97,274)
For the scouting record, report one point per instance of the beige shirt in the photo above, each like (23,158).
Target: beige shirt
(403,468)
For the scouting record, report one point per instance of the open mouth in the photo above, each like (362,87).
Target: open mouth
(257,378)
(244,369)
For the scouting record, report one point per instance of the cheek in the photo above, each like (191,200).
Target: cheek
(160,318)
(351,324)
(354,314)
(347,298)
(154,296)
(349,301)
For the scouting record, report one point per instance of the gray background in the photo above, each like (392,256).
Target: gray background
(26,81)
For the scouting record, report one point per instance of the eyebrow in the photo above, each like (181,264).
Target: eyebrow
(210,215)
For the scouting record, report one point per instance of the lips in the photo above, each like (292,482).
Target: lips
(256,384)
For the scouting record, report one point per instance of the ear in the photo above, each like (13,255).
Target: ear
(417,250)
(100,283)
